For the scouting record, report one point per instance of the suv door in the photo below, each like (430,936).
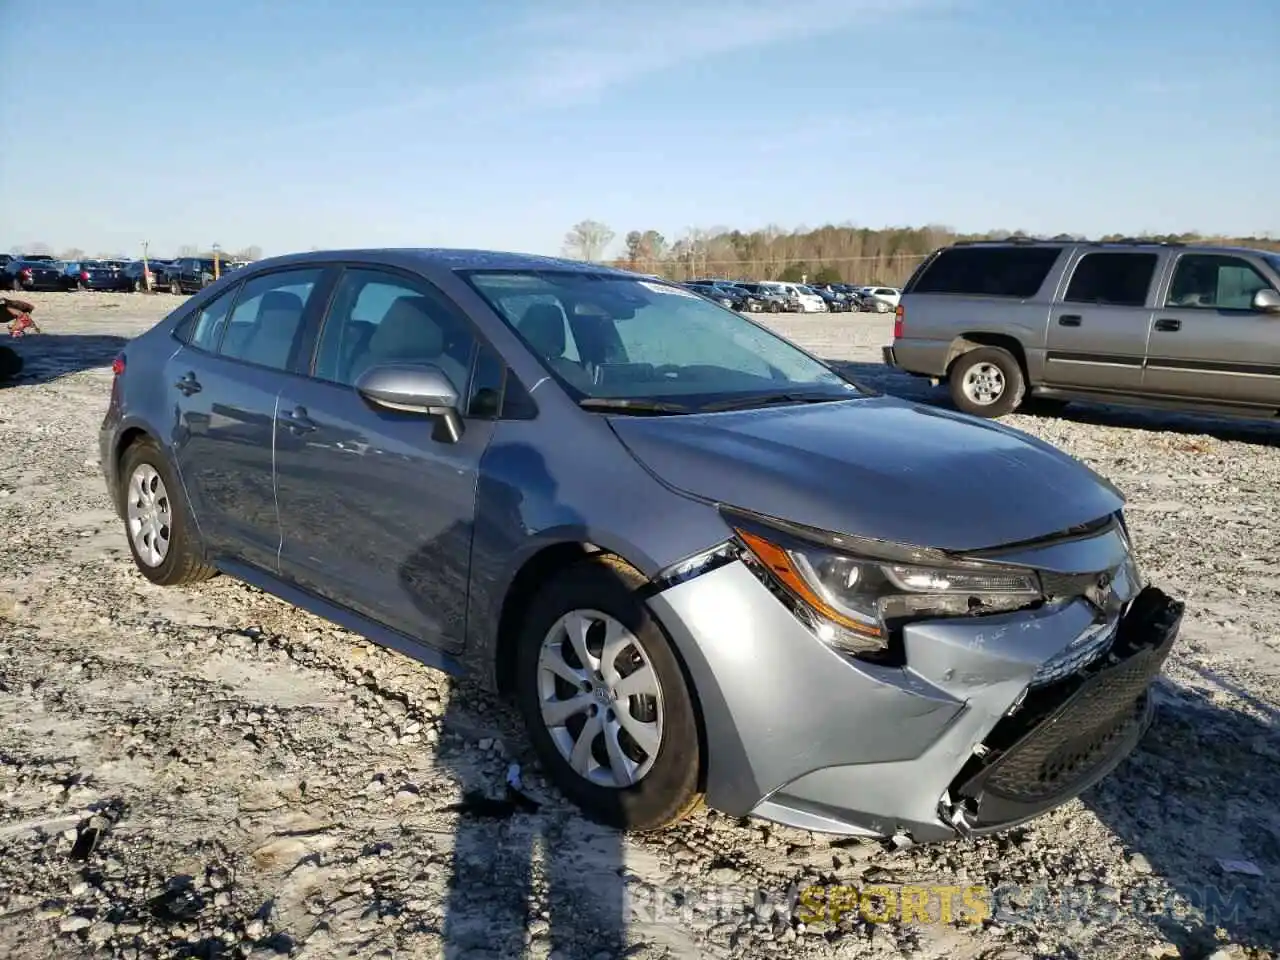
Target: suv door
(1097,337)
(1208,342)
(223,384)
(376,506)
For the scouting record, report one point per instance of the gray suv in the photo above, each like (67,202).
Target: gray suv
(1185,327)
(702,563)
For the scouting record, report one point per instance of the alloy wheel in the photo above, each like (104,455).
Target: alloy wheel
(600,698)
(984,383)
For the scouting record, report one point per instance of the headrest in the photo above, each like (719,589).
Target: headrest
(408,331)
(280,300)
(543,326)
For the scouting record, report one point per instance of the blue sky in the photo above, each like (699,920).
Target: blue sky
(500,123)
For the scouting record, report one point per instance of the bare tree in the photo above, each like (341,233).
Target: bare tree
(36,247)
(248,253)
(71,253)
(188,250)
(588,240)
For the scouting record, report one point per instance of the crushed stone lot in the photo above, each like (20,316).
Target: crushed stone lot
(208,772)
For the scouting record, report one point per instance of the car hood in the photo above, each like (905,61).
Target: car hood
(875,467)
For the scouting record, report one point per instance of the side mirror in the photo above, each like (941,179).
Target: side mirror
(414,388)
(1266,300)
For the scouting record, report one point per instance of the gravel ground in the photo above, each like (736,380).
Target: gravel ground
(207,772)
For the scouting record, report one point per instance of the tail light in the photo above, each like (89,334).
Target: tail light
(26,272)
(117,365)
(899,315)
(84,274)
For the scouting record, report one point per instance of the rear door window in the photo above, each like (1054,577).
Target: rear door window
(988,271)
(1112,279)
(264,326)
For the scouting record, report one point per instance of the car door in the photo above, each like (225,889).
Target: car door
(1098,329)
(376,506)
(224,382)
(1208,343)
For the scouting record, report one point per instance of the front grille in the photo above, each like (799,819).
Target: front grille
(1068,744)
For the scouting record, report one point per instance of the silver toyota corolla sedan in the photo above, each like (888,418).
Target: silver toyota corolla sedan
(704,564)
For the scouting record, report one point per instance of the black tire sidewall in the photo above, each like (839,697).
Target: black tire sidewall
(1014,382)
(670,788)
(180,540)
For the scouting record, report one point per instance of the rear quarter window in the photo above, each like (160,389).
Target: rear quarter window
(1017,272)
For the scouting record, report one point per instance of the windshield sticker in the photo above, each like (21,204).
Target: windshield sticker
(673,291)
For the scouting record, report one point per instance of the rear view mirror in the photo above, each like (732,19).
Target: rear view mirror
(414,388)
(1266,301)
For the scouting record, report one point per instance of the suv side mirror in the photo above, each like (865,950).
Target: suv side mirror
(1266,300)
(414,388)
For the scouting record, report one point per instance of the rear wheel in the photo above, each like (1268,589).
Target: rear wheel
(987,382)
(605,699)
(175,288)
(161,537)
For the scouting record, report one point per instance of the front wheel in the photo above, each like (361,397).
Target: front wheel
(161,539)
(987,382)
(175,288)
(605,699)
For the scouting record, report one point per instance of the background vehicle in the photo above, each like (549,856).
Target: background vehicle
(189,274)
(880,299)
(634,611)
(1189,327)
(801,299)
(25,274)
(771,301)
(93,275)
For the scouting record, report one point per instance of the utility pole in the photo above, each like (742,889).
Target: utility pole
(216,272)
(146,270)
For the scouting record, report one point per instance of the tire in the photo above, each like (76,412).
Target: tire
(167,561)
(667,787)
(137,286)
(80,287)
(987,372)
(15,285)
(175,288)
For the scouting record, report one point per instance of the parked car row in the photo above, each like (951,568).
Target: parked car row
(781,296)
(183,275)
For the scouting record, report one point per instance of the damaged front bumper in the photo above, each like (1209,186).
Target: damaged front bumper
(1061,739)
(972,735)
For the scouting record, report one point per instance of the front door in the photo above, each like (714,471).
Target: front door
(376,507)
(1097,337)
(1207,342)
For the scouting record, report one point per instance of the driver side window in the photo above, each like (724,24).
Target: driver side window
(1214,282)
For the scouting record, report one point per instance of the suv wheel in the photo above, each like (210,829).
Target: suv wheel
(605,700)
(161,539)
(987,382)
(175,288)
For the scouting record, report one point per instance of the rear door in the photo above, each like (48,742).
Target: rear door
(376,507)
(1207,342)
(1098,330)
(224,384)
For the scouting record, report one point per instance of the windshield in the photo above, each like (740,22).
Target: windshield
(606,336)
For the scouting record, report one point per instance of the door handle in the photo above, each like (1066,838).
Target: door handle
(1069,320)
(188,384)
(1167,323)
(298,421)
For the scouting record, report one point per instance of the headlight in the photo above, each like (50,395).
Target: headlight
(851,600)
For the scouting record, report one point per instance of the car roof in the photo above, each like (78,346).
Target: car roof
(1133,244)
(442,259)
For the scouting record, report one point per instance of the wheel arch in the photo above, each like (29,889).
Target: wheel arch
(968,342)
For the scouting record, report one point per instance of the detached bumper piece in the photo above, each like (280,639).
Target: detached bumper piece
(1063,738)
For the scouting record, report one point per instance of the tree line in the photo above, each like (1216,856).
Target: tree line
(828,254)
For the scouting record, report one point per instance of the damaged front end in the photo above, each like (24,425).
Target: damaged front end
(1064,735)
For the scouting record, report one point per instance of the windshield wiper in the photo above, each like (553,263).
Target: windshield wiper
(770,399)
(636,405)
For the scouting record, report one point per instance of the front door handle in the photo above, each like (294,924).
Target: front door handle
(298,421)
(1069,320)
(1168,324)
(188,384)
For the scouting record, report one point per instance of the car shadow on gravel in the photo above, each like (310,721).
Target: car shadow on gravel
(884,379)
(526,865)
(49,356)
(1200,789)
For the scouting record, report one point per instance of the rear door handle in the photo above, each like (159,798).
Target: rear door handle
(1069,320)
(188,384)
(1169,324)
(298,421)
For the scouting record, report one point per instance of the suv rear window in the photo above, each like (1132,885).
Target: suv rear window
(988,271)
